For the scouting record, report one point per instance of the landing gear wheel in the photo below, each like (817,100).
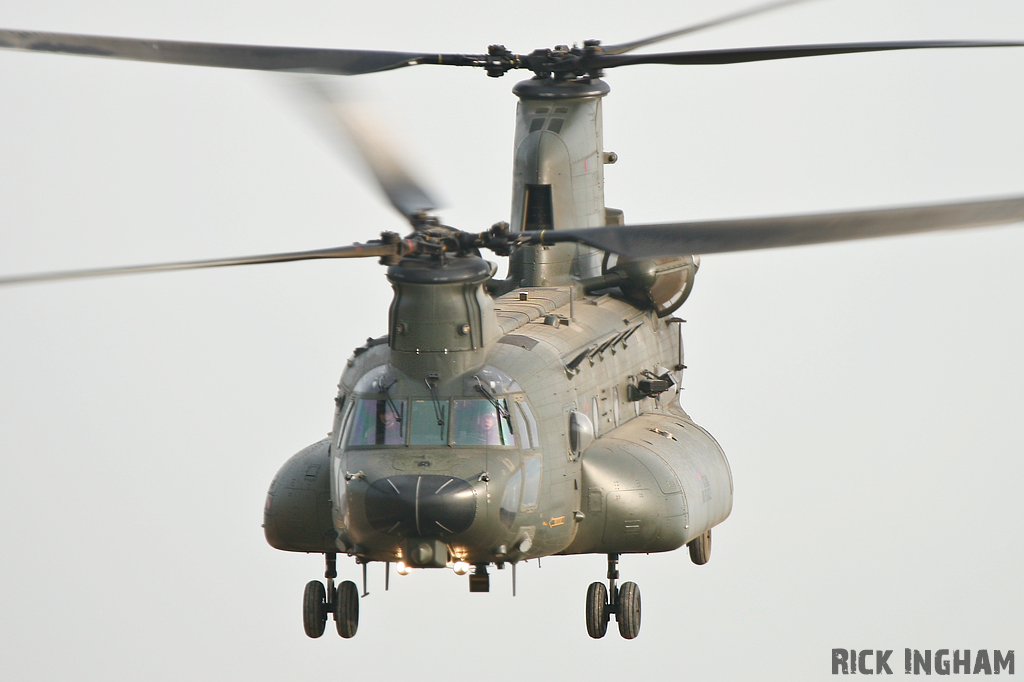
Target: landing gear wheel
(628,613)
(597,610)
(314,609)
(700,548)
(346,609)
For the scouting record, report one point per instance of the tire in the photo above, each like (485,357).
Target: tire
(346,609)
(597,610)
(314,609)
(629,610)
(700,548)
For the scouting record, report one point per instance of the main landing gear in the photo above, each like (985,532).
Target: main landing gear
(342,602)
(700,548)
(623,601)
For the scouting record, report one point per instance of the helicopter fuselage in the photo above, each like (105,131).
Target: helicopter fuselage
(490,427)
(578,453)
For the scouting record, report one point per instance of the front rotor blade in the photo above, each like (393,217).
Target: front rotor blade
(720,236)
(622,48)
(762,54)
(345,118)
(257,57)
(369,250)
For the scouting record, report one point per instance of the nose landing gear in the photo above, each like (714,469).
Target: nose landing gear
(622,601)
(342,603)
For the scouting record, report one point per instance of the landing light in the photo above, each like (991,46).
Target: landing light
(460,568)
(402,568)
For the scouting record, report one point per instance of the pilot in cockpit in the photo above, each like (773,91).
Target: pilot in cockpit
(392,427)
(487,428)
(388,430)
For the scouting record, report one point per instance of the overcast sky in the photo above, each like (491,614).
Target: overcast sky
(868,395)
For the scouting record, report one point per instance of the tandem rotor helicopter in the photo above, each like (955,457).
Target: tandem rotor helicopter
(500,421)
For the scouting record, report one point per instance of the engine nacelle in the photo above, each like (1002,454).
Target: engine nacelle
(297,515)
(652,485)
(661,284)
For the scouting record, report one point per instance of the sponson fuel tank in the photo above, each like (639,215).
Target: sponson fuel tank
(652,485)
(297,513)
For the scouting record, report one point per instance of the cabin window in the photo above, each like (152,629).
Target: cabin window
(480,422)
(377,422)
(428,422)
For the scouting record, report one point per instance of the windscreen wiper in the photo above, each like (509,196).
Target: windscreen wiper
(502,412)
(385,389)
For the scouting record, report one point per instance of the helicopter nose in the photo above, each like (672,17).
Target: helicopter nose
(420,506)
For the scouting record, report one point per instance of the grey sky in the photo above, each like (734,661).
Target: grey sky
(868,395)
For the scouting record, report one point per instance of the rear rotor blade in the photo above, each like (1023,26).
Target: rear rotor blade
(761,54)
(368,250)
(720,236)
(257,57)
(622,48)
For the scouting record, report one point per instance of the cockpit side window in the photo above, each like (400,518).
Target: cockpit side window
(520,426)
(530,422)
(480,422)
(342,419)
(510,499)
(526,428)
(377,422)
(531,482)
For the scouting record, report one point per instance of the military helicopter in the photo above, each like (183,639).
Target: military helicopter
(462,348)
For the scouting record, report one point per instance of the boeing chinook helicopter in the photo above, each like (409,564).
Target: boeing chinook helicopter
(500,421)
